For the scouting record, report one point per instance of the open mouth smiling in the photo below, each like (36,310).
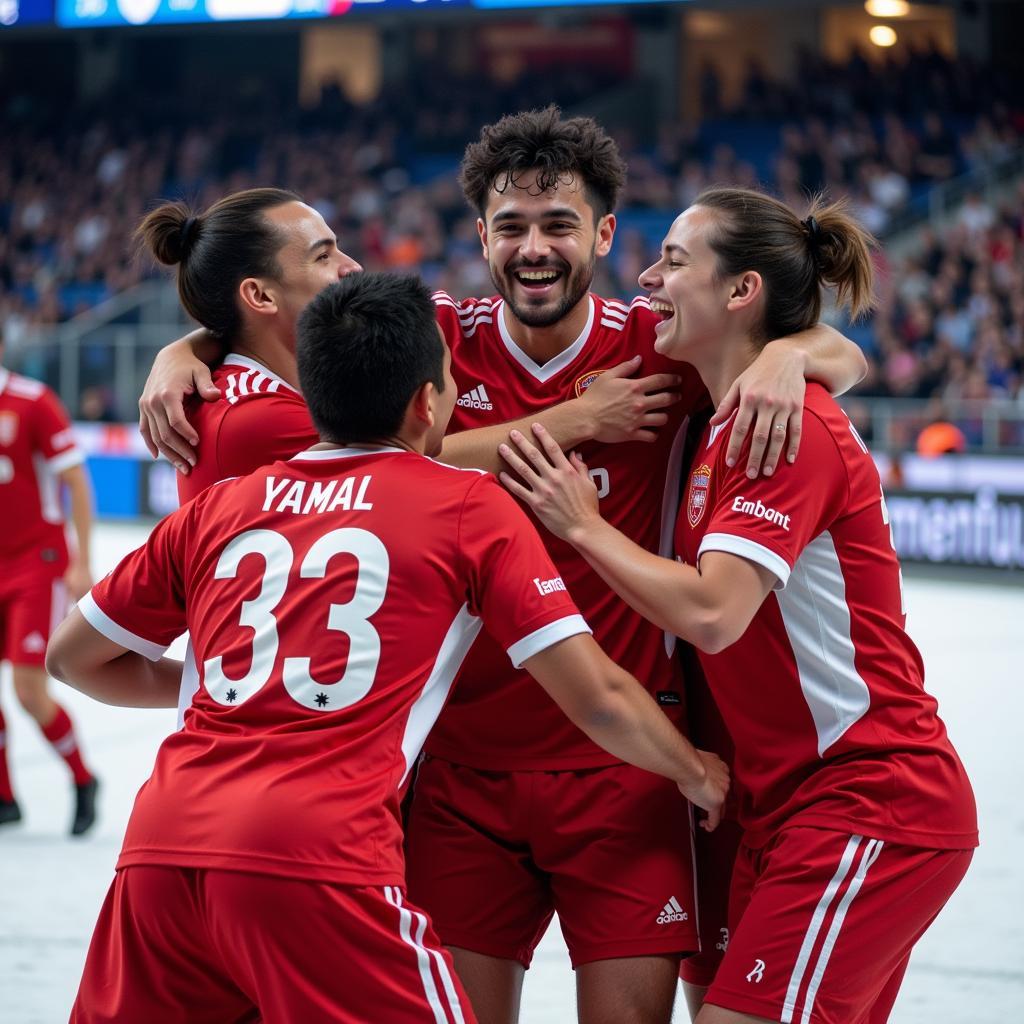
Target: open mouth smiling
(663,309)
(542,277)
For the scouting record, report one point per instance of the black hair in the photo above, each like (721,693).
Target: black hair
(216,250)
(560,150)
(364,347)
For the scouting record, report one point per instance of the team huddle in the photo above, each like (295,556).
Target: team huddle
(402,512)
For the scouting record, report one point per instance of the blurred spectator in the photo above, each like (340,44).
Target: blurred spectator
(950,321)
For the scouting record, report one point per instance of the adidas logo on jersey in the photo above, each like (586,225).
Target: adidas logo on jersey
(476,399)
(671,912)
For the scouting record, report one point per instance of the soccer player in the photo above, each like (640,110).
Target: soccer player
(38,458)
(246,268)
(262,868)
(859,819)
(515,813)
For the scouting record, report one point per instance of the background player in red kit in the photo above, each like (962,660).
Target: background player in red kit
(262,867)
(503,827)
(38,458)
(860,821)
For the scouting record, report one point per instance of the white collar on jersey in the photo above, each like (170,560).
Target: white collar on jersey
(718,428)
(344,453)
(234,359)
(552,366)
(5,376)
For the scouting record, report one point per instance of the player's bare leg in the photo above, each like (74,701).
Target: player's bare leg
(694,995)
(494,985)
(630,990)
(719,1015)
(31,684)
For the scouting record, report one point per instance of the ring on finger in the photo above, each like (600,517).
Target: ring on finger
(780,427)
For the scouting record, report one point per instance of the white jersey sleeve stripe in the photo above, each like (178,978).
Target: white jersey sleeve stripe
(102,623)
(65,460)
(545,637)
(750,550)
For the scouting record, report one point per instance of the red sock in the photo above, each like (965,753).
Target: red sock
(6,793)
(61,735)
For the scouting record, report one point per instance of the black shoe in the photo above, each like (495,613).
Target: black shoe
(10,812)
(85,807)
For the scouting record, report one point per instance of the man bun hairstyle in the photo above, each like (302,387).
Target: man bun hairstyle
(795,258)
(559,149)
(216,250)
(364,347)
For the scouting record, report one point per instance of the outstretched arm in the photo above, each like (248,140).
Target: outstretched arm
(770,393)
(710,607)
(179,370)
(85,659)
(617,713)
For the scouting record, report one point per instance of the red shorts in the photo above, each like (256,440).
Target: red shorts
(714,853)
(822,925)
(30,610)
(204,946)
(492,854)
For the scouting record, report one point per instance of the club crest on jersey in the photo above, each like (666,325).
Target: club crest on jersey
(585,381)
(698,499)
(8,428)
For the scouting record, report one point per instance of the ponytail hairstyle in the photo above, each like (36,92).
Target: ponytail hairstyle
(216,250)
(794,257)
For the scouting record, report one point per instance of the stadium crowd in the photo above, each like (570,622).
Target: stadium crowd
(383,176)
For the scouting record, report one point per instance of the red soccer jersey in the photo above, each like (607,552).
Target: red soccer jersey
(823,694)
(515,725)
(36,444)
(328,634)
(258,419)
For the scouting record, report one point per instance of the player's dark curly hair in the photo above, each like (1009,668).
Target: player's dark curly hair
(560,150)
(365,346)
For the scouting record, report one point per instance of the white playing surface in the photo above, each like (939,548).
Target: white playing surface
(969,969)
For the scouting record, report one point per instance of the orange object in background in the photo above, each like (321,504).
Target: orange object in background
(940,439)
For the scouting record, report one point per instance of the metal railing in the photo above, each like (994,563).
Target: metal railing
(113,359)
(893,425)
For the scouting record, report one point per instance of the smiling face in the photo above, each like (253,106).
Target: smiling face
(685,289)
(309,259)
(541,247)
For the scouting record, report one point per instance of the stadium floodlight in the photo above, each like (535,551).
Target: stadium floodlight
(887,9)
(882,35)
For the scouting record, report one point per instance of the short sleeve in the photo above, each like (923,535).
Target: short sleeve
(141,603)
(770,520)
(514,586)
(447,312)
(53,435)
(262,430)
